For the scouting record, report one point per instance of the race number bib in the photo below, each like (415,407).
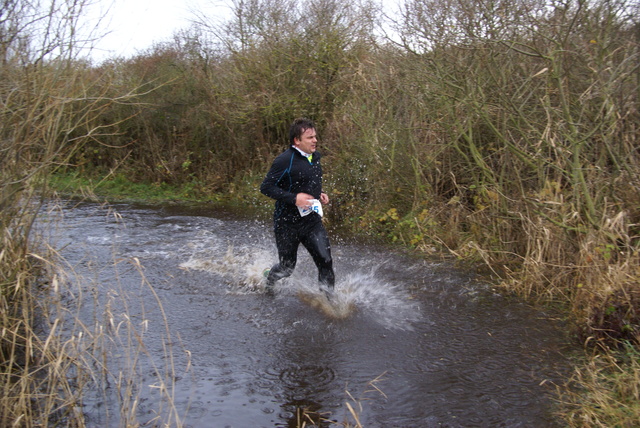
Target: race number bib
(316,207)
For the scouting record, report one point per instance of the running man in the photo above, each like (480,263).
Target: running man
(295,182)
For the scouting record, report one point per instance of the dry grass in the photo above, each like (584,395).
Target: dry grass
(595,276)
(355,405)
(604,391)
(308,418)
(66,345)
(54,352)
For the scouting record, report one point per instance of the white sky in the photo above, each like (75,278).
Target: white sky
(134,25)
(129,26)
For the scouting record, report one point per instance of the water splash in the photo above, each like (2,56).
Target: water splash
(389,304)
(241,268)
(355,292)
(332,304)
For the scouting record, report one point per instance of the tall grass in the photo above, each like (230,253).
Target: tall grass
(70,345)
(604,391)
(52,359)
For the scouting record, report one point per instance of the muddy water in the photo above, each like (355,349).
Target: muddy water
(404,342)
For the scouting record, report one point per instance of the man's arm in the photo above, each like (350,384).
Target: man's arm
(277,172)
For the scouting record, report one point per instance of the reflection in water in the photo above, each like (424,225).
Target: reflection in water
(452,352)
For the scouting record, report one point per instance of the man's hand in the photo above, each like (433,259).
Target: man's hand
(324,198)
(303,200)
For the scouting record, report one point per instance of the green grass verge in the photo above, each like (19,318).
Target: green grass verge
(120,188)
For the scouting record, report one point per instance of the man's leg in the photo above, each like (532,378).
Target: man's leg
(316,241)
(287,243)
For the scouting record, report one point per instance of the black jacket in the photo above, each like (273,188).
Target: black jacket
(290,174)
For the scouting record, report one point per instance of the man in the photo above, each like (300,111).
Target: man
(295,182)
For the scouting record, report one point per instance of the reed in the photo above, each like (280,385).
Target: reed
(603,390)
(306,417)
(355,404)
(66,346)
(52,359)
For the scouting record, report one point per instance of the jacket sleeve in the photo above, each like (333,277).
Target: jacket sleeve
(278,176)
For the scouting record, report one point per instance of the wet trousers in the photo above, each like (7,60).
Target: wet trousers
(313,236)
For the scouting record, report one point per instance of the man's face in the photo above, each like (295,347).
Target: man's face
(307,141)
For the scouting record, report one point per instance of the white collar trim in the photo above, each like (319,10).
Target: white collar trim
(306,155)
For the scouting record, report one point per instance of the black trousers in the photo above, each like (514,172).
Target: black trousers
(309,232)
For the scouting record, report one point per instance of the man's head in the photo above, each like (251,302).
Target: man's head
(302,135)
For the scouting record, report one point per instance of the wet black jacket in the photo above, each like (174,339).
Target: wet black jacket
(290,174)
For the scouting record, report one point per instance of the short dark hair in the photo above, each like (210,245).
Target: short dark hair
(298,127)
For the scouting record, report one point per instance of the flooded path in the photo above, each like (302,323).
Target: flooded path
(405,343)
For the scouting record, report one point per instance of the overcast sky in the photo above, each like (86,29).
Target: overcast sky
(129,26)
(134,25)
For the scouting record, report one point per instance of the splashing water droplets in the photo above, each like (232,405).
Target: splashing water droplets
(241,267)
(386,303)
(356,292)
